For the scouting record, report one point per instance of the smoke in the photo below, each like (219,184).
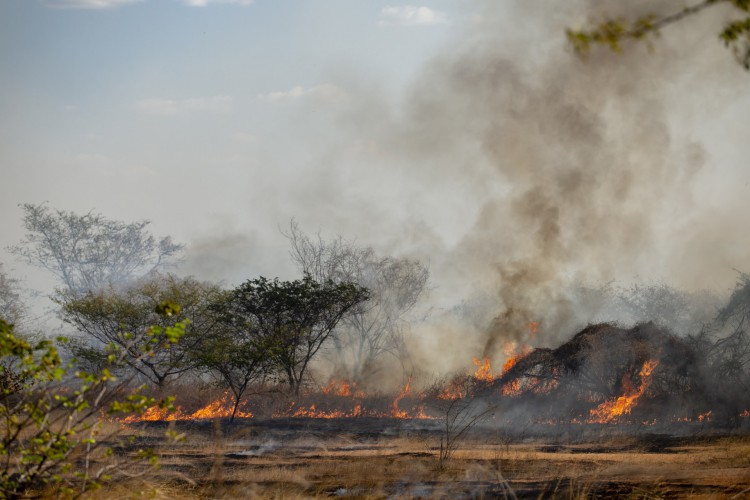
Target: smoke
(579,169)
(519,172)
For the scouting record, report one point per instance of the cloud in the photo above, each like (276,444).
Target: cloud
(182,107)
(325,92)
(410,15)
(206,3)
(89,4)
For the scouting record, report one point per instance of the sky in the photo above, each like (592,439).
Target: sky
(197,115)
(463,133)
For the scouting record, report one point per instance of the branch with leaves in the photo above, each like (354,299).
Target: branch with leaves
(52,416)
(613,32)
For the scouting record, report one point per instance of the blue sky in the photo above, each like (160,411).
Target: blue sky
(452,131)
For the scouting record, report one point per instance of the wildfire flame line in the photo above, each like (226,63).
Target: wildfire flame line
(610,411)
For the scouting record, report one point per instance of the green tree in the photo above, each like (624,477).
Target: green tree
(613,32)
(239,357)
(103,316)
(293,318)
(52,413)
(90,252)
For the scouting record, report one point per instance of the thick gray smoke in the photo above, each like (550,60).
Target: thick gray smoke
(518,171)
(597,176)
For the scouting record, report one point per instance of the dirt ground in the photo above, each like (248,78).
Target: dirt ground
(390,458)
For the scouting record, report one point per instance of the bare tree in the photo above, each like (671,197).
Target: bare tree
(12,310)
(90,252)
(374,328)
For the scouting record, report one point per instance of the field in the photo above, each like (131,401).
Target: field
(392,458)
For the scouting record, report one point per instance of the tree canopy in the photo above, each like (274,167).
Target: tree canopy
(293,318)
(89,252)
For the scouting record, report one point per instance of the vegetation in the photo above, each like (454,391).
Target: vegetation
(372,328)
(613,32)
(124,316)
(90,252)
(11,306)
(51,416)
(291,319)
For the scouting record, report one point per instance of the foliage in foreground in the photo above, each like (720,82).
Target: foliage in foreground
(51,417)
(613,32)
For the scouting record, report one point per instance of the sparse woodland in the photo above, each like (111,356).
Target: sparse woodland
(149,346)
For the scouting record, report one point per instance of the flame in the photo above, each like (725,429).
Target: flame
(745,414)
(705,416)
(515,353)
(484,370)
(152,414)
(312,412)
(219,408)
(623,405)
(395,411)
(343,389)
(512,388)
(455,391)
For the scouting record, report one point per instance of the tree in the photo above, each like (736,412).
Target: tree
(612,32)
(106,314)
(373,328)
(293,319)
(53,413)
(90,252)
(12,310)
(238,355)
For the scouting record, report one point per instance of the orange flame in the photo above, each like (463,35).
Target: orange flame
(152,414)
(484,370)
(395,411)
(343,389)
(623,405)
(455,391)
(705,416)
(221,408)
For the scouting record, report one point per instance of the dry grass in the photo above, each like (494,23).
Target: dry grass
(315,460)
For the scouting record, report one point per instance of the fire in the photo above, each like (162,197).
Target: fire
(220,408)
(312,412)
(512,388)
(396,412)
(343,389)
(515,353)
(705,416)
(152,414)
(623,405)
(484,370)
(454,391)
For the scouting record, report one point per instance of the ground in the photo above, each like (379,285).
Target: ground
(392,458)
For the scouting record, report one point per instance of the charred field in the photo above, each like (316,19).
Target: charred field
(612,412)
(397,458)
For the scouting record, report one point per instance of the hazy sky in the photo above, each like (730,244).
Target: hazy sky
(460,132)
(205,117)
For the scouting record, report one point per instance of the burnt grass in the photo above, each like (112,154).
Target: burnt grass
(686,437)
(393,458)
